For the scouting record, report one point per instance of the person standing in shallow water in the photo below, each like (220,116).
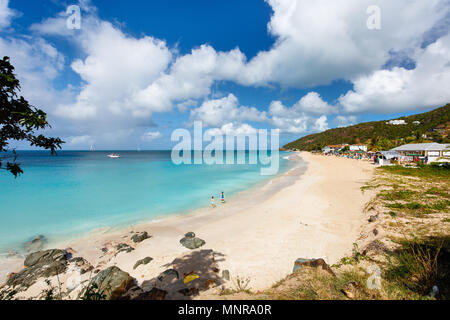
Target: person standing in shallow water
(212,202)
(222,198)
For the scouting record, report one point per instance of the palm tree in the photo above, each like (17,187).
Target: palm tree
(375,143)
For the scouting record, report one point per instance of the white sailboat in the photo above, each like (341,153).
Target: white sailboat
(92,148)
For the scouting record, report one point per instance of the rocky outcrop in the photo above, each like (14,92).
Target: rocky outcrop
(112,283)
(39,264)
(144,261)
(314,263)
(191,242)
(45,257)
(139,237)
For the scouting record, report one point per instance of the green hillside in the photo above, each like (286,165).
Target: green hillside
(435,125)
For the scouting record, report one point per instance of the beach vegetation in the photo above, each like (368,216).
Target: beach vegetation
(421,264)
(242,284)
(430,172)
(92,292)
(392,214)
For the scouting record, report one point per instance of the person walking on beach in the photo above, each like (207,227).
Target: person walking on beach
(212,202)
(222,198)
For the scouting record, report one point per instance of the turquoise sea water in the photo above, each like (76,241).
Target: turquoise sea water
(76,192)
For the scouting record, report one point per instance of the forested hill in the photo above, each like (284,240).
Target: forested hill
(434,126)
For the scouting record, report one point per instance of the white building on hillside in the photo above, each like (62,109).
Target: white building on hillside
(396,122)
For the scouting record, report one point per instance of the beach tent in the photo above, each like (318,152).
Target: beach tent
(385,157)
(390,154)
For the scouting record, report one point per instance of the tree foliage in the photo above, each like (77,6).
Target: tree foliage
(19,121)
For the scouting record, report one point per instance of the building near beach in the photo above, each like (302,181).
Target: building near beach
(334,148)
(358,147)
(428,152)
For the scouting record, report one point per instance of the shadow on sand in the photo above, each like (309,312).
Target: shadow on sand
(201,265)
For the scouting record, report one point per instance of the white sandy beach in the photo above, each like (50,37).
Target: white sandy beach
(320,215)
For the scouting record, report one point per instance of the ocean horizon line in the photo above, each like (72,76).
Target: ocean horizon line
(134,150)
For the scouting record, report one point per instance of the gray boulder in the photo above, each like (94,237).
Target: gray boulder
(144,261)
(192,242)
(140,237)
(190,235)
(113,283)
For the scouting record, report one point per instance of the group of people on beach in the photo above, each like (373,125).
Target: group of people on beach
(222,199)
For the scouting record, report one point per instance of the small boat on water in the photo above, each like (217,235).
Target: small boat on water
(113,155)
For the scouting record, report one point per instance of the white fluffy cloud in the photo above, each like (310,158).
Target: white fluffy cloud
(313,103)
(217,112)
(37,64)
(117,67)
(226,114)
(301,117)
(399,89)
(320,41)
(288,119)
(233,129)
(190,77)
(6,14)
(320,124)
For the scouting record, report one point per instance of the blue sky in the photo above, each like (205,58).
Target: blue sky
(137,70)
